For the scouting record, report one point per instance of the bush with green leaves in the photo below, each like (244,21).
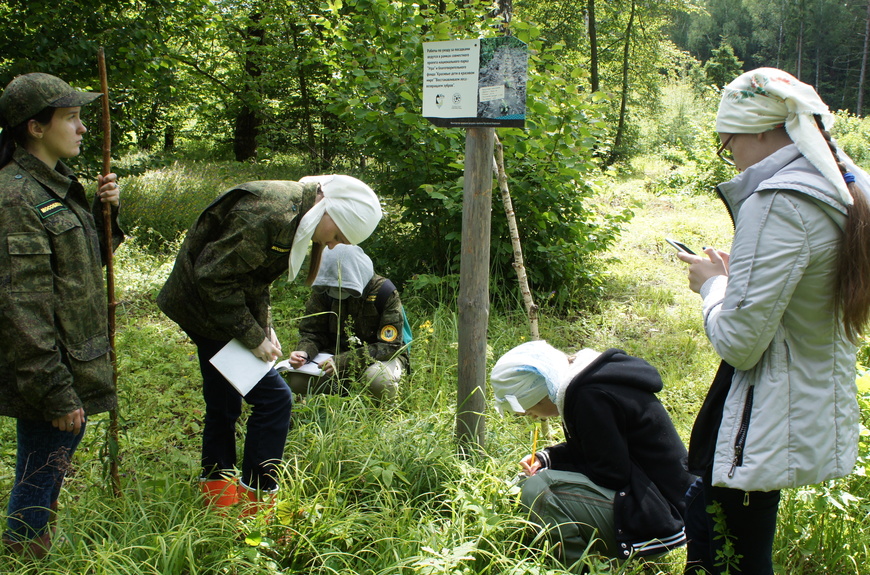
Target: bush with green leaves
(551,165)
(853,135)
(679,128)
(700,175)
(819,524)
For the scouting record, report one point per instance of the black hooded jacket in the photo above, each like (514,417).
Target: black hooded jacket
(621,437)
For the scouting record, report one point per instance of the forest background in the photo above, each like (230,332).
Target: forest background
(618,150)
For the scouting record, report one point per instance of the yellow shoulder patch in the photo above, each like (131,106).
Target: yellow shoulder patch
(389,333)
(50,208)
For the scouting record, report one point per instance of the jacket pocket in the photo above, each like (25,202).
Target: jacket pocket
(89,349)
(30,256)
(60,223)
(742,431)
(91,368)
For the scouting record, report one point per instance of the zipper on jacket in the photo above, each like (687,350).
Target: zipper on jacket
(742,432)
(727,206)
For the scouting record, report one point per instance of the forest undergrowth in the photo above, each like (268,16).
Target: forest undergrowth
(381,489)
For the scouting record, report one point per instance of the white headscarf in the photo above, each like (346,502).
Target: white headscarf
(521,377)
(351,204)
(534,370)
(767,98)
(345,268)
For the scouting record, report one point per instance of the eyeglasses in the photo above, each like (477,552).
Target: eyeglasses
(724,153)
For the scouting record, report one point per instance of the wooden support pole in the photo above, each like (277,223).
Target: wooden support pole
(473,301)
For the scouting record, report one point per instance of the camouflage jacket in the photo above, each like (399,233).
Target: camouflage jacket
(219,287)
(329,323)
(54,343)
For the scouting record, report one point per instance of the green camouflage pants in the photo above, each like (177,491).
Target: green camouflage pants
(577,513)
(381,378)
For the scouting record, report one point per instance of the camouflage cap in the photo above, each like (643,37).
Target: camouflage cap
(28,94)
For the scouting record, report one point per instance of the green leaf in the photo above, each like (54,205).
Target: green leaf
(253,539)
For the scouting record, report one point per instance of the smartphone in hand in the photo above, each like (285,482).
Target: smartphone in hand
(680,246)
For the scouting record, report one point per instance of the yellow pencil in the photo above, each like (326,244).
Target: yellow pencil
(534,447)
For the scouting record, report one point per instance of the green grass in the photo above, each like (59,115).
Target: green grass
(381,490)
(161,202)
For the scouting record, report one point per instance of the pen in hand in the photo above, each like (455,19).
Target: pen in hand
(534,447)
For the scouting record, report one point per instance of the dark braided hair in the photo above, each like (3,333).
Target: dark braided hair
(852,281)
(314,263)
(17,135)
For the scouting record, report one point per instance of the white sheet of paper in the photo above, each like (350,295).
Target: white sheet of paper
(310,368)
(240,366)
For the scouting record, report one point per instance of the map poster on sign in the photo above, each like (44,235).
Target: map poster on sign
(475,83)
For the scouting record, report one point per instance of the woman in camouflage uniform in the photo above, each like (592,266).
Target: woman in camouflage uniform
(219,291)
(55,368)
(347,305)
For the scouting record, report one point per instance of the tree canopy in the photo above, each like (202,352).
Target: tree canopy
(338,84)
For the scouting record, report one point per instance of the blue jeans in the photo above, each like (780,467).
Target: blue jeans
(271,402)
(44,454)
(750,518)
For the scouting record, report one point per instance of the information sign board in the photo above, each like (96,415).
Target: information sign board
(475,83)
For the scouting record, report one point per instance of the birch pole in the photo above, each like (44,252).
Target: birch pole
(519,265)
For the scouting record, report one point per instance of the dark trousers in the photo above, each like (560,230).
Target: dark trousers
(750,520)
(271,402)
(44,454)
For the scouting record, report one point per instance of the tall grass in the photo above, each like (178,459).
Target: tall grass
(373,489)
(160,203)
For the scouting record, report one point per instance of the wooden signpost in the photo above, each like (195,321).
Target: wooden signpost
(478,85)
(473,302)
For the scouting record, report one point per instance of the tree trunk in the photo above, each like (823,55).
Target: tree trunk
(310,135)
(781,32)
(859,107)
(593,46)
(169,138)
(623,104)
(504,10)
(473,302)
(247,126)
(800,41)
(148,133)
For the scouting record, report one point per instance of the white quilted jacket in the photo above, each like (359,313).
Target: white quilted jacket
(791,416)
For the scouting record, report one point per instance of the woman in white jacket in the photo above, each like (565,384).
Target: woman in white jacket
(783,311)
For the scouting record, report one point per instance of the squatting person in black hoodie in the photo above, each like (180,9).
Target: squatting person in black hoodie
(619,478)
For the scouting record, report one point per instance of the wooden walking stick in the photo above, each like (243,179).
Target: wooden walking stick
(113,443)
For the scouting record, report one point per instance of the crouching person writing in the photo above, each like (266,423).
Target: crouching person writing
(356,316)
(616,484)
